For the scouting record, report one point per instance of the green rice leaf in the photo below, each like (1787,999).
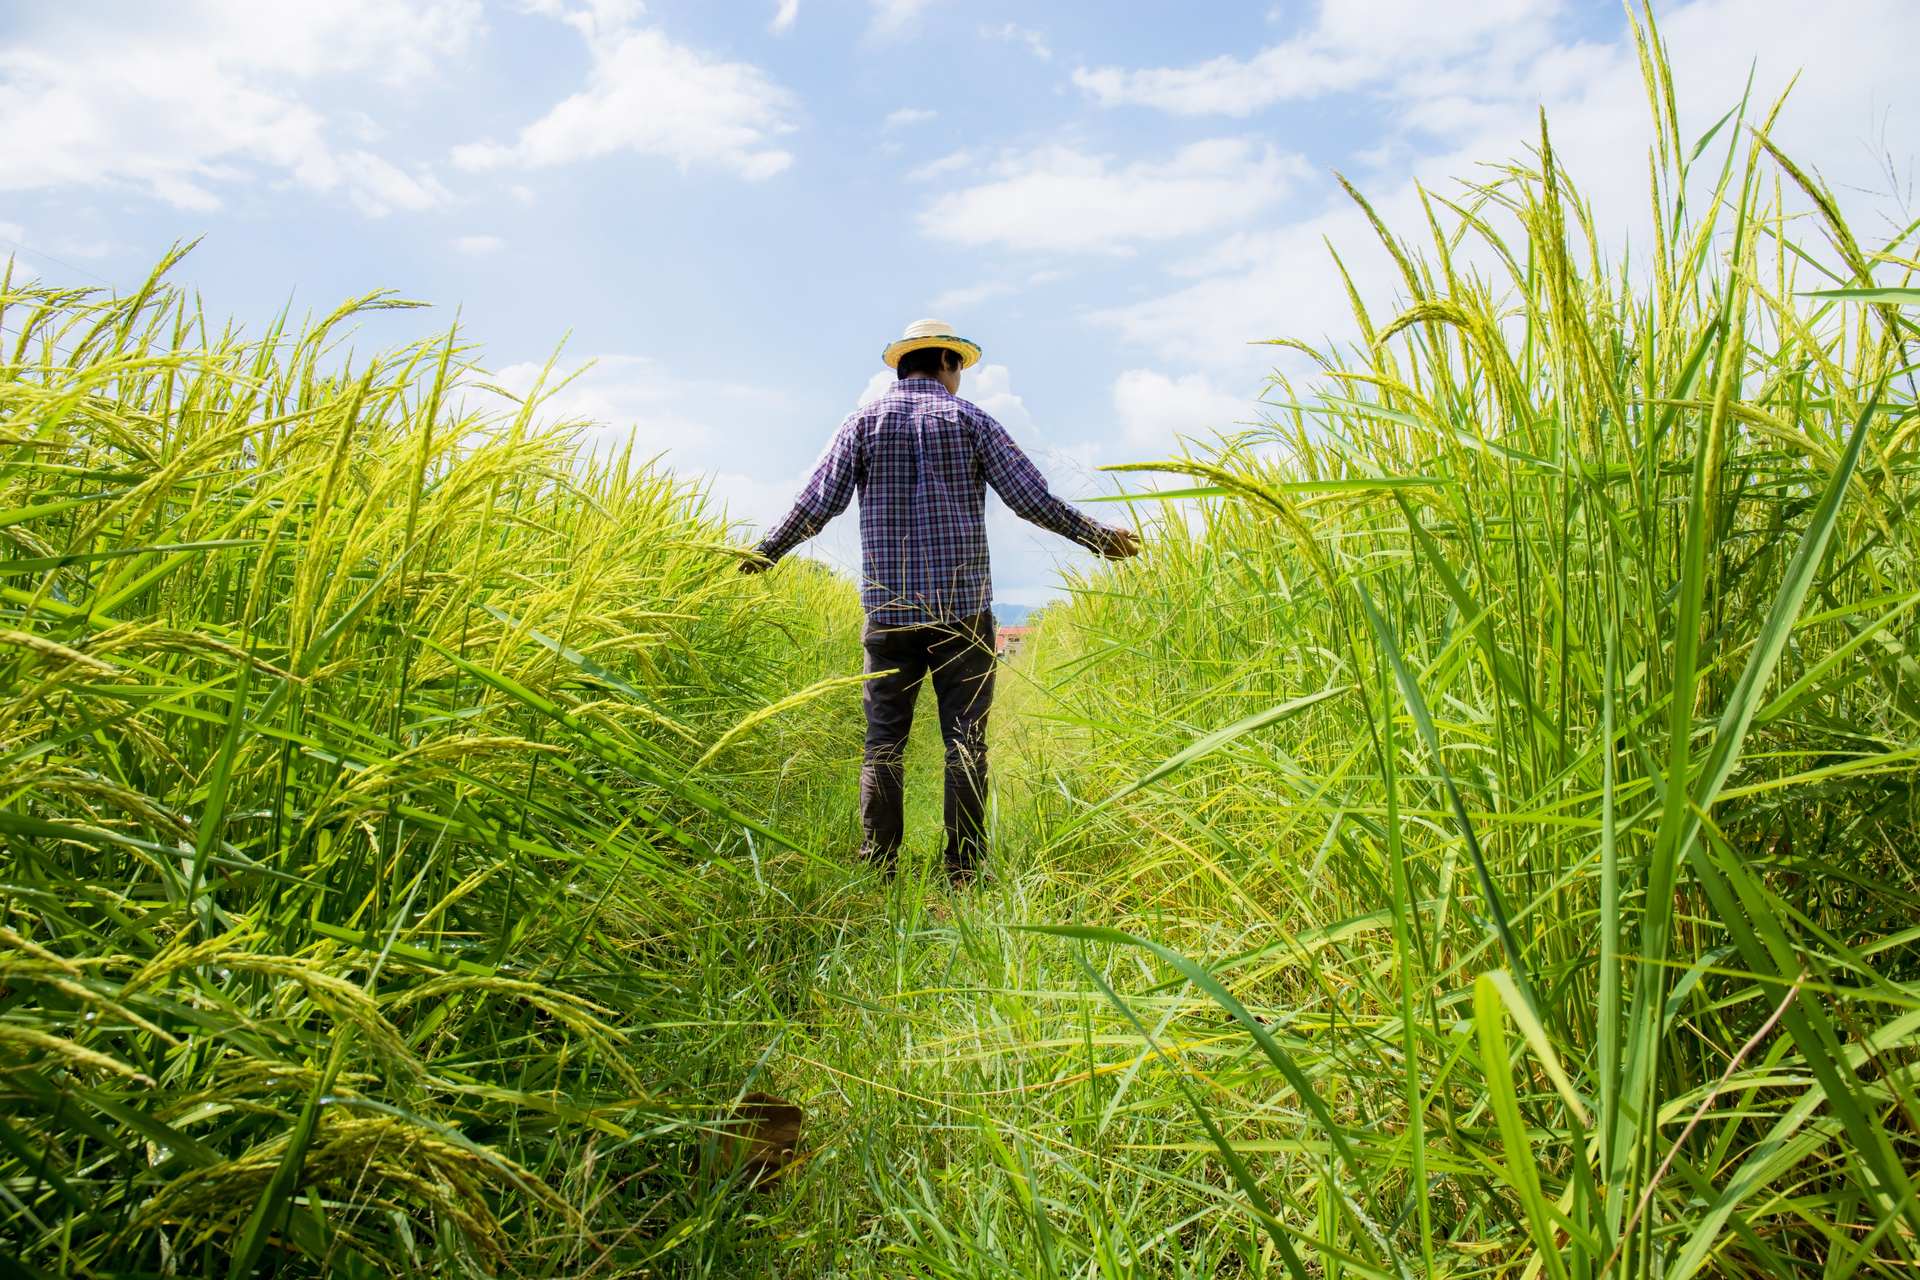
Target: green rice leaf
(1894,296)
(1517,1169)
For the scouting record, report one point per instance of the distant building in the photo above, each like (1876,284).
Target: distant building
(1010,642)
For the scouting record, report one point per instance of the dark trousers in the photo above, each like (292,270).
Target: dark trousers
(958,656)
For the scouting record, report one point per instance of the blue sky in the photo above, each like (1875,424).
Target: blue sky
(730,208)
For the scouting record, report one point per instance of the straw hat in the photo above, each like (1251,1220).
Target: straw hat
(922,334)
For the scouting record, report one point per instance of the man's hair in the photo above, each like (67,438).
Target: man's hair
(927,362)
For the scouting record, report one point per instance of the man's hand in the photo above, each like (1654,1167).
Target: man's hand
(754,562)
(1122,544)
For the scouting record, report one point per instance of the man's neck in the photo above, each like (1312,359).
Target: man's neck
(924,378)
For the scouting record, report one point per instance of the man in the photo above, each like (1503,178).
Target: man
(920,458)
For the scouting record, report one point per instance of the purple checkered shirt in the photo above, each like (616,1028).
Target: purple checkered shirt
(921,459)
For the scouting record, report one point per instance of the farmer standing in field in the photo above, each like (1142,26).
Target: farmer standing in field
(921,459)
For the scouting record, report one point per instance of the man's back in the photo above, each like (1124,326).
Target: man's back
(920,459)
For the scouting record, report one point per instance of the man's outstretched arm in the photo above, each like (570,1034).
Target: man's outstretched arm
(826,495)
(1022,487)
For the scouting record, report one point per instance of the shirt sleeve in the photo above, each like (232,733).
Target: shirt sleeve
(1022,487)
(825,496)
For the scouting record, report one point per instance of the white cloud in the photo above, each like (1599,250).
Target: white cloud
(961,299)
(895,19)
(478,246)
(1354,43)
(906,116)
(991,387)
(1274,283)
(187,100)
(784,17)
(701,422)
(649,94)
(945,164)
(65,247)
(1035,42)
(1450,102)
(1154,409)
(1062,199)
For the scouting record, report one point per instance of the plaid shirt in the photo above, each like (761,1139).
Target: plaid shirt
(921,458)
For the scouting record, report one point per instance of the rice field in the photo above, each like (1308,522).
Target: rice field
(1475,839)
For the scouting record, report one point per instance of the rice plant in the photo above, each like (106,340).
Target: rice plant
(1475,839)
(1571,931)
(359,742)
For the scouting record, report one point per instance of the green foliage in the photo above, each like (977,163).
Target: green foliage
(348,748)
(1474,839)
(1618,574)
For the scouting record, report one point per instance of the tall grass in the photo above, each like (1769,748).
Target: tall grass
(363,750)
(1476,840)
(1581,921)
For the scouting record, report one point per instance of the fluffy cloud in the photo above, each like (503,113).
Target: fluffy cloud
(969,296)
(1014,33)
(1063,199)
(945,164)
(185,100)
(1273,283)
(479,246)
(701,422)
(895,19)
(649,94)
(1448,101)
(991,387)
(905,116)
(1156,411)
(1353,44)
